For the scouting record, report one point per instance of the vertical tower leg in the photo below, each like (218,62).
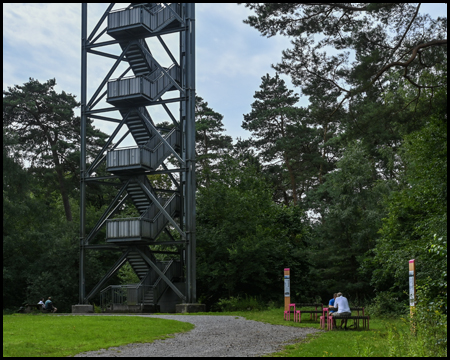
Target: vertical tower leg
(190,148)
(82,289)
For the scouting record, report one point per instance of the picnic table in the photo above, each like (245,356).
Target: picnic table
(298,311)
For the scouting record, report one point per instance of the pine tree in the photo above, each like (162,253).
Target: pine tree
(211,143)
(371,41)
(273,121)
(48,133)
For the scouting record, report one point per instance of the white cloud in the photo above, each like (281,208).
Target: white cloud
(43,41)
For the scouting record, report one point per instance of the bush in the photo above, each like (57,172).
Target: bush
(238,304)
(97,309)
(387,304)
(425,338)
(426,335)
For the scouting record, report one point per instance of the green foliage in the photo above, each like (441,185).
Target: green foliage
(380,36)
(349,220)
(211,144)
(387,304)
(238,304)
(48,134)
(417,218)
(244,240)
(127,275)
(40,248)
(430,321)
(275,124)
(423,338)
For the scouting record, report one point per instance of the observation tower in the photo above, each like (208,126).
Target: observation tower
(154,178)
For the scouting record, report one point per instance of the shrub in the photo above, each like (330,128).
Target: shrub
(386,304)
(238,304)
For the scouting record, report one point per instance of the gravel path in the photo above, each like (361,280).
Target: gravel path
(213,336)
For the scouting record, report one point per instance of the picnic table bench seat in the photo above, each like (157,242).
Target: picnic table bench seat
(28,308)
(355,318)
(326,316)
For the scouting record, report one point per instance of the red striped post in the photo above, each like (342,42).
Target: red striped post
(412,291)
(287,289)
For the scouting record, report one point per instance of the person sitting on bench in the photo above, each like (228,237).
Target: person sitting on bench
(331,303)
(343,309)
(41,302)
(49,305)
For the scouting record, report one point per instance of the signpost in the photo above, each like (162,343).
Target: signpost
(287,289)
(412,284)
(412,290)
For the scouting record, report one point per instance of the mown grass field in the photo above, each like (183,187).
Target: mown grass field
(49,335)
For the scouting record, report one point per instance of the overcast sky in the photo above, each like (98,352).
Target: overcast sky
(43,41)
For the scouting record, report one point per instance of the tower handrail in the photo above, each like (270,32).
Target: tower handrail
(154,12)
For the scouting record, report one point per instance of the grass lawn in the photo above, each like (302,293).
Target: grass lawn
(340,343)
(50,335)
(336,343)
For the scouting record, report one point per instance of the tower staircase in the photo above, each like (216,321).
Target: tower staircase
(151,222)
(150,288)
(147,84)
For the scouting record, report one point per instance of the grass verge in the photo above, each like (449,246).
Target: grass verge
(27,335)
(377,342)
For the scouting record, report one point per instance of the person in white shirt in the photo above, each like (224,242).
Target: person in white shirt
(42,303)
(341,303)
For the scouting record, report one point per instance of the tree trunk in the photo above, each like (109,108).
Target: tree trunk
(289,167)
(323,153)
(292,178)
(64,195)
(62,186)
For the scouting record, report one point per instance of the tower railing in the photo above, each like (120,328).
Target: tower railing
(134,294)
(141,228)
(151,18)
(152,86)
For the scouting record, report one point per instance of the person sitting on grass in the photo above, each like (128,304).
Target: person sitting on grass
(343,309)
(49,305)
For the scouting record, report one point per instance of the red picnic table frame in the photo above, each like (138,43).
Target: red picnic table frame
(298,313)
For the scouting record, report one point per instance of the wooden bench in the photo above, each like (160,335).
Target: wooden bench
(35,307)
(355,323)
(355,318)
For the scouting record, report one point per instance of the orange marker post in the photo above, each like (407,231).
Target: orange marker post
(287,289)
(412,290)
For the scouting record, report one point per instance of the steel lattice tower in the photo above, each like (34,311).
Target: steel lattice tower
(146,84)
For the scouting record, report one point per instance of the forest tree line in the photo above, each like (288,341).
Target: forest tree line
(343,191)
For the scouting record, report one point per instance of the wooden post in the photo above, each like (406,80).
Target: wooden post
(412,291)
(287,289)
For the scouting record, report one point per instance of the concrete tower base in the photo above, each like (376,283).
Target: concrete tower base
(82,309)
